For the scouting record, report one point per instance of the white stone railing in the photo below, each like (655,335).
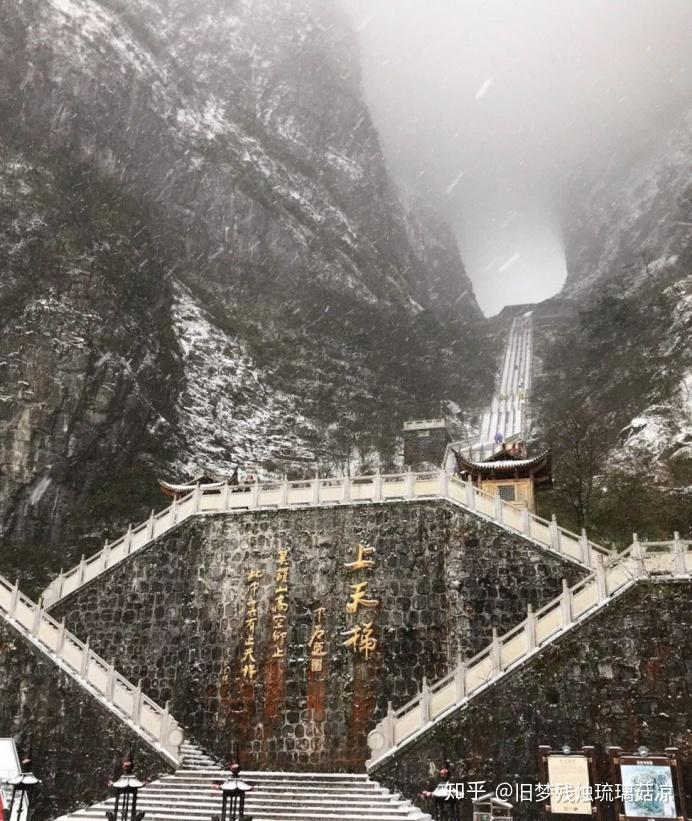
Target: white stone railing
(609,580)
(324,492)
(424,424)
(153,723)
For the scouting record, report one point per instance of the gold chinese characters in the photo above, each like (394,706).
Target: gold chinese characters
(317,643)
(280,606)
(360,638)
(248,665)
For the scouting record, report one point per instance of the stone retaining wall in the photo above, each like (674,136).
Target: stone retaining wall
(623,678)
(77,744)
(180,616)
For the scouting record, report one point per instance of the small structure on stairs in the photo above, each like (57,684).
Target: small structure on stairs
(510,474)
(425,443)
(207,481)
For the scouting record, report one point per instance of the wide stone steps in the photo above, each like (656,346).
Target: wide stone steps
(193,757)
(193,795)
(642,561)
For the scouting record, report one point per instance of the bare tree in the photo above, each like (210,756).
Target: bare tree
(579,451)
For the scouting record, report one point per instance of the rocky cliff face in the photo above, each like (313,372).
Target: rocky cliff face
(204,260)
(618,344)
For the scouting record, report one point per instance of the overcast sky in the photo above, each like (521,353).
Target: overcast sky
(490,107)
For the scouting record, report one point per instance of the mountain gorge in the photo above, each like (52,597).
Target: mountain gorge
(204,263)
(616,356)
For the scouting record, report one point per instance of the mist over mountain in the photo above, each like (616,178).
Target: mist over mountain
(204,262)
(496,110)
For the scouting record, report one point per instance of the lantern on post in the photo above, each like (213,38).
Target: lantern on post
(23,786)
(126,789)
(234,791)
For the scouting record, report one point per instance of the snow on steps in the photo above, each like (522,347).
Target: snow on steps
(223,499)
(507,411)
(642,560)
(193,795)
(125,700)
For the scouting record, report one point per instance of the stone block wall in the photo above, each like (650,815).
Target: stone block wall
(243,620)
(77,745)
(623,678)
(425,448)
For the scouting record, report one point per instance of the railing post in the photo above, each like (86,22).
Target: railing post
(470,495)
(150,526)
(61,638)
(584,547)
(498,508)
(174,512)
(137,704)
(566,604)
(316,490)
(82,570)
(197,499)
(638,555)
(460,680)
(163,726)
(60,583)
(410,484)
(128,540)
(226,494)
(601,581)
(425,700)
(377,486)
(36,625)
(525,522)
(679,556)
(283,501)
(444,483)
(388,727)
(14,598)
(254,496)
(495,654)
(110,681)
(105,556)
(84,662)
(346,497)
(530,629)
(554,534)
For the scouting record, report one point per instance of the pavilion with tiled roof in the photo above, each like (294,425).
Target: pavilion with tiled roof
(509,474)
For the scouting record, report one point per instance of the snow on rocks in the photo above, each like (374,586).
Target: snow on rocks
(228,414)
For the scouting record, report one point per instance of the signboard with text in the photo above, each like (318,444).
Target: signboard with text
(568,776)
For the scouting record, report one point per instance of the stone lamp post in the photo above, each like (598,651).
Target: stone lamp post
(233,802)
(23,786)
(126,789)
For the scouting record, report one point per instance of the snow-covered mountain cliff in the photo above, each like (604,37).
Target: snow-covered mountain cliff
(203,259)
(620,347)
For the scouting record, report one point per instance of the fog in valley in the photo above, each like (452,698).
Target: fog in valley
(501,112)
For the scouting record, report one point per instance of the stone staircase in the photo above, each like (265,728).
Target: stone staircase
(192,794)
(507,411)
(377,489)
(96,676)
(193,757)
(641,561)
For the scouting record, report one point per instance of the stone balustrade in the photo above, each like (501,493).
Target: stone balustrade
(609,579)
(318,492)
(126,700)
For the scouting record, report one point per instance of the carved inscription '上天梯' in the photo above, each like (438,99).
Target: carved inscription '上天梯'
(361,637)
